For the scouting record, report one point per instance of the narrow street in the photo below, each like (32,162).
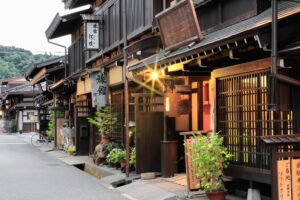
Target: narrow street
(26,173)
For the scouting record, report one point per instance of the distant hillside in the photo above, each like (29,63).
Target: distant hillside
(14,61)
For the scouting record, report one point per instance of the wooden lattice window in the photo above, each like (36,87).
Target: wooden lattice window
(243,115)
(83,108)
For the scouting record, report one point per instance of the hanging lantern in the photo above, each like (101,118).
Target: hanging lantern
(170,102)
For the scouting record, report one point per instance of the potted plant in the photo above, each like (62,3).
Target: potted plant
(210,158)
(116,156)
(51,129)
(71,150)
(106,121)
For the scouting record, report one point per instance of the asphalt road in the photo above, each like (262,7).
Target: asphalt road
(26,173)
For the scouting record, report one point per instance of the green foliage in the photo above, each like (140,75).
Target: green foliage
(105,120)
(111,145)
(209,158)
(116,155)
(71,149)
(51,125)
(14,61)
(132,160)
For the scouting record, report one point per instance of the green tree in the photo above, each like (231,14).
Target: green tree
(14,61)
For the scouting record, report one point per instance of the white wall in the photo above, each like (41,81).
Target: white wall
(20,120)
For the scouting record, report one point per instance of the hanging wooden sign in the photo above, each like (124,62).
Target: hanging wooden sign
(296,178)
(179,25)
(284,180)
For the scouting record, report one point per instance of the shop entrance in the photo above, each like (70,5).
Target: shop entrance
(82,126)
(149,131)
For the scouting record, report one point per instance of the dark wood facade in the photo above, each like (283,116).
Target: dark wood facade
(233,59)
(246,99)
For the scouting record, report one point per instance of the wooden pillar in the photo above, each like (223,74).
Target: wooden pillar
(274,172)
(126,92)
(55,128)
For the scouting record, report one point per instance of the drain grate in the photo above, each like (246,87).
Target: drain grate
(79,166)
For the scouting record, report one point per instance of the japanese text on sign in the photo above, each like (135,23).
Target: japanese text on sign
(296,178)
(92,35)
(284,180)
(99,89)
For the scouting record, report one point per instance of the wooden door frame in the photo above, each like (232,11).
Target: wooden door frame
(199,81)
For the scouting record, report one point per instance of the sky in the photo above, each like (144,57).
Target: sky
(23,24)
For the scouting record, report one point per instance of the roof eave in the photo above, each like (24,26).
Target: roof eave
(70,4)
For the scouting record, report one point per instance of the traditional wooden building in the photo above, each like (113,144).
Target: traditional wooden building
(232,86)
(216,55)
(43,75)
(103,58)
(18,105)
(72,93)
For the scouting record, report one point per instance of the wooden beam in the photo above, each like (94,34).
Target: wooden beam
(256,65)
(38,76)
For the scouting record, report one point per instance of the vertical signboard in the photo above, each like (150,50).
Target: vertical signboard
(296,178)
(284,180)
(192,179)
(99,89)
(91,35)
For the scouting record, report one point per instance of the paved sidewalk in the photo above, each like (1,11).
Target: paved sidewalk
(156,189)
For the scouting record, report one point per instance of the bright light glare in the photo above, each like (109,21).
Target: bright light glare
(154,75)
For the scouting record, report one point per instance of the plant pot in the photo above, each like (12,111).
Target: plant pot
(105,140)
(219,195)
(122,163)
(52,144)
(71,153)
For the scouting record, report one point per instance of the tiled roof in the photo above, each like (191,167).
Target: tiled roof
(64,25)
(285,9)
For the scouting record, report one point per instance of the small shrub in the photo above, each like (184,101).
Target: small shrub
(111,145)
(132,160)
(71,149)
(105,120)
(116,155)
(209,158)
(51,125)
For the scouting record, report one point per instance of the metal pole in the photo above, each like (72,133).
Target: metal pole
(126,93)
(65,63)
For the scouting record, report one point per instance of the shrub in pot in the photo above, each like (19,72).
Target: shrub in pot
(116,156)
(106,121)
(210,158)
(71,150)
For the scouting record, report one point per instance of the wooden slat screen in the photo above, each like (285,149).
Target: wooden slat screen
(117,103)
(243,115)
(76,57)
